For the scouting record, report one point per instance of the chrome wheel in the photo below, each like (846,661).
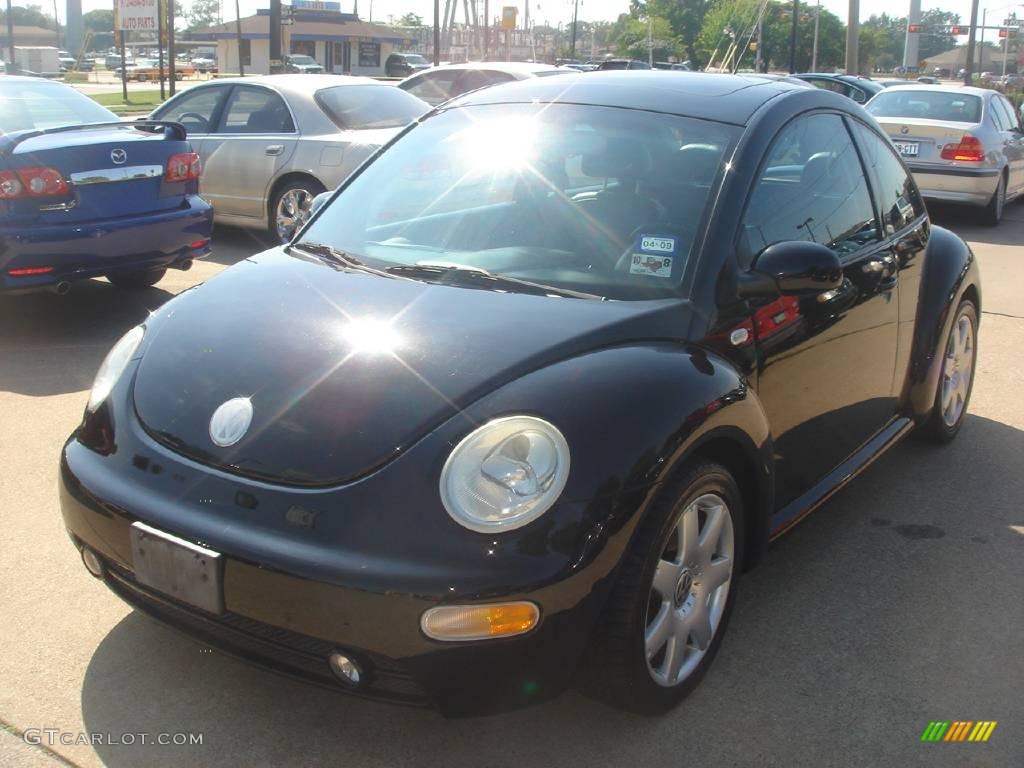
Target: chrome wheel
(293,210)
(690,588)
(957,368)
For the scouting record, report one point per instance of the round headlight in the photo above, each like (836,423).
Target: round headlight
(113,366)
(505,474)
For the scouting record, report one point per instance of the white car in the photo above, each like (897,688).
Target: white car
(445,82)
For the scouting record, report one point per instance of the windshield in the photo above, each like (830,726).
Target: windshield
(28,106)
(414,58)
(302,60)
(352,107)
(930,105)
(590,199)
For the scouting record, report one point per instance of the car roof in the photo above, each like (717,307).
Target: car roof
(725,98)
(296,83)
(511,67)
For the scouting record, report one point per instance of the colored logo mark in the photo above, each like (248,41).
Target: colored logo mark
(959,730)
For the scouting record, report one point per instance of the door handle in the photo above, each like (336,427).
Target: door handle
(274,149)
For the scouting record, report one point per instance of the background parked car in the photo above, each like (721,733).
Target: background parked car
(302,65)
(442,83)
(623,64)
(964,145)
(84,194)
(204,64)
(859,89)
(405,64)
(149,69)
(270,144)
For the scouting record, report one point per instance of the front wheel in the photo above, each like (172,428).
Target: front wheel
(292,207)
(667,614)
(957,378)
(135,281)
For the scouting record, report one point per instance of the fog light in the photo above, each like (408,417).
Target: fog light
(346,668)
(92,561)
(479,622)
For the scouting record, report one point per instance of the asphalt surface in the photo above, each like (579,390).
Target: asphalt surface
(898,603)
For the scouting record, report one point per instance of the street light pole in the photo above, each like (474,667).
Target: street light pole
(814,51)
(650,43)
(792,37)
(969,59)
(852,31)
(10,37)
(575,14)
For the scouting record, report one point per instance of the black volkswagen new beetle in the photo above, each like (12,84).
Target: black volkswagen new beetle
(530,393)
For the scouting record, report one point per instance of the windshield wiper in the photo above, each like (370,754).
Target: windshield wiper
(328,252)
(477,277)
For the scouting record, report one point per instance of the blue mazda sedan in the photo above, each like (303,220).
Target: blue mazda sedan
(83,194)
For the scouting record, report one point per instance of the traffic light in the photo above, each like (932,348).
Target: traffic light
(915,28)
(958,31)
(1011,33)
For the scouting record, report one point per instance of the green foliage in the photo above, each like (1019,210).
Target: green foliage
(101,24)
(203,13)
(410,20)
(632,39)
(29,16)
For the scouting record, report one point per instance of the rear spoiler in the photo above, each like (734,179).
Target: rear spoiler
(172,131)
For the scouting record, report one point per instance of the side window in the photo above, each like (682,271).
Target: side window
(897,193)
(256,110)
(811,187)
(194,109)
(857,94)
(998,115)
(434,87)
(827,85)
(480,78)
(1003,108)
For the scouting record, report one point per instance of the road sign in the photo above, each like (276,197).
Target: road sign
(137,15)
(508,17)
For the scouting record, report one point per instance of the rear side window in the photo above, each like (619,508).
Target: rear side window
(480,78)
(898,196)
(930,105)
(432,87)
(1003,113)
(256,110)
(811,188)
(194,109)
(35,106)
(352,107)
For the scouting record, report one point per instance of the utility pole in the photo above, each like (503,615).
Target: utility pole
(911,48)
(852,31)
(1006,46)
(650,41)
(969,59)
(760,35)
(437,32)
(276,54)
(814,51)
(792,36)
(171,80)
(981,47)
(575,14)
(238,29)
(10,38)
(487,27)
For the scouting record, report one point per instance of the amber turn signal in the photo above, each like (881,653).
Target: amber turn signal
(479,622)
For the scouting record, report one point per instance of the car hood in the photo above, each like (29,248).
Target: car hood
(345,369)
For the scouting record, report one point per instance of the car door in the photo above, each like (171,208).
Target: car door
(253,141)
(825,362)
(198,109)
(1013,142)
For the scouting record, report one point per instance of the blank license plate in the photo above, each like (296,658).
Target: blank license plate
(906,148)
(177,568)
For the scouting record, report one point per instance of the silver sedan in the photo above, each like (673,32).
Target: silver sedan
(270,144)
(963,145)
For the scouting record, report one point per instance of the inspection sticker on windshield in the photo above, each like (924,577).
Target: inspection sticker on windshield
(654,256)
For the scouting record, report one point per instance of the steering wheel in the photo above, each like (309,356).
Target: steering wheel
(196,117)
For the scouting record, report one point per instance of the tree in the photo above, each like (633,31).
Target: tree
(410,20)
(685,19)
(101,24)
(934,40)
(632,39)
(29,16)
(203,13)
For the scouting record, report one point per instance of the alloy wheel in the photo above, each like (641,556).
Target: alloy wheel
(690,589)
(957,370)
(293,210)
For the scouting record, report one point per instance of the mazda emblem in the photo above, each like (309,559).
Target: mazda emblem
(118,156)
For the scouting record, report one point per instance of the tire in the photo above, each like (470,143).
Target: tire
(134,281)
(954,390)
(994,209)
(628,665)
(290,208)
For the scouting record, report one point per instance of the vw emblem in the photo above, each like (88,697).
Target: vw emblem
(118,156)
(905,130)
(231,421)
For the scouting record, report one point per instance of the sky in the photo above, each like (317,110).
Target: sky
(555,11)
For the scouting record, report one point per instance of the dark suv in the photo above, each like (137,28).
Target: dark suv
(405,64)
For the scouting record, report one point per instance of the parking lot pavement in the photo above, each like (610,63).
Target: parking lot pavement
(900,602)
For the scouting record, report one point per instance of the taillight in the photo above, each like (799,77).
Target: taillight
(31,182)
(968,149)
(183,166)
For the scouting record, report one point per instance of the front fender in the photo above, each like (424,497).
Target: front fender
(950,271)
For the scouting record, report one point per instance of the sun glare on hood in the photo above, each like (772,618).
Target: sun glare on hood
(370,336)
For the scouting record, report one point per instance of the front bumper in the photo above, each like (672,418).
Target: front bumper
(80,250)
(290,623)
(969,186)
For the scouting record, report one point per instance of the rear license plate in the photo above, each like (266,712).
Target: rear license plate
(177,568)
(906,148)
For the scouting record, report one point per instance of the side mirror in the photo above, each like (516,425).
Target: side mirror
(793,268)
(319,200)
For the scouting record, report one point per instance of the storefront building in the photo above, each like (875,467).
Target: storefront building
(340,42)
